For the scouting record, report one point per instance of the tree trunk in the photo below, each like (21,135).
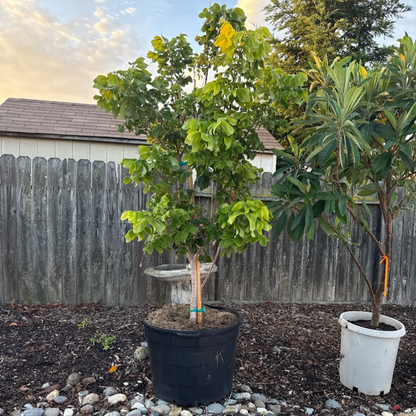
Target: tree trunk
(376,312)
(388,230)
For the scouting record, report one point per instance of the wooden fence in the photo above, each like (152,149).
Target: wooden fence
(62,241)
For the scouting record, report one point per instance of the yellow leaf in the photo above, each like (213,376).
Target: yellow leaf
(224,40)
(402,58)
(113,368)
(13,324)
(363,72)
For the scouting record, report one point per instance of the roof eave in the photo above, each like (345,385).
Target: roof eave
(74,138)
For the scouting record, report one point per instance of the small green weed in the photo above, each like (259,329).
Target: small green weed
(84,323)
(104,340)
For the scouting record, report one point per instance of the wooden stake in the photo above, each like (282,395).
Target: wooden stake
(198,288)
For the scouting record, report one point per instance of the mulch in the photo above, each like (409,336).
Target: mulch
(288,352)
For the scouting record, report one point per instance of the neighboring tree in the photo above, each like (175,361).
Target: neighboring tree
(333,28)
(359,142)
(208,132)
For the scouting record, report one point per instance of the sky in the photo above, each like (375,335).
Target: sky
(53,49)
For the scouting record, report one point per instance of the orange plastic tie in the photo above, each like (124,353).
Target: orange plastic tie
(386,275)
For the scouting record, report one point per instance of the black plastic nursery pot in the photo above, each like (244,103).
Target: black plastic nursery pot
(192,367)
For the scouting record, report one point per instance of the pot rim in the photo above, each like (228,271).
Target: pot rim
(177,272)
(200,332)
(347,319)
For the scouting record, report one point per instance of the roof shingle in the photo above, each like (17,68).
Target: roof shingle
(71,120)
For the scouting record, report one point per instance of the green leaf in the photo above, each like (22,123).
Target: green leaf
(381,161)
(228,141)
(318,208)
(410,165)
(392,119)
(243,95)
(296,182)
(325,227)
(279,225)
(342,206)
(369,189)
(299,219)
(327,151)
(308,217)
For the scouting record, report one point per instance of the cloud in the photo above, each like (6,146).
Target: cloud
(102,26)
(129,10)
(99,13)
(44,58)
(254,11)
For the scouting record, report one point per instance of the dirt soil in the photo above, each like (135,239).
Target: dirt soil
(176,317)
(288,352)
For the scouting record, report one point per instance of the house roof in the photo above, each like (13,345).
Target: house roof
(74,121)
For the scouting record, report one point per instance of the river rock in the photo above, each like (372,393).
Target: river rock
(91,398)
(117,398)
(258,396)
(245,389)
(74,379)
(51,396)
(69,412)
(60,399)
(242,396)
(332,404)
(33,412)
(88,380)
(275,408)
(186,413)
(52,411)
(140,407)
(259,403)
(149,403)
(109,391)
(230,410)
(175,411)
(162,409)
(87,409)
(112,414)
(215,408)
(140,353)
(196,410)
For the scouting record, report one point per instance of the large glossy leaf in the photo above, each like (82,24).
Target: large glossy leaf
(369,189)
(382,161)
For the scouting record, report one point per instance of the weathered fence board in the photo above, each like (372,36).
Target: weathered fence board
(24,229)
(69,231)
(62,240)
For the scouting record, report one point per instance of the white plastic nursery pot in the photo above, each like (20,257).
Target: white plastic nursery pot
(368,356)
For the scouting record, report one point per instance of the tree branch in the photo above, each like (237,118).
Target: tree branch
(212,267)
(368,231)
(363,273)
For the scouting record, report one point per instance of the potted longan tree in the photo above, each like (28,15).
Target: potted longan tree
(200,112)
